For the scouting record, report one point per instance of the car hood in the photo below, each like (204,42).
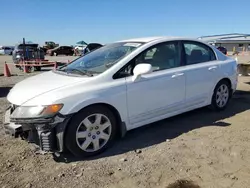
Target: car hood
(36,85)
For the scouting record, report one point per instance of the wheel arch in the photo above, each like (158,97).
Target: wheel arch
(121,125)
(222,79)
(122,129)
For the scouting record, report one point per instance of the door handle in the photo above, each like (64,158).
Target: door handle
(212,68)
(177,74)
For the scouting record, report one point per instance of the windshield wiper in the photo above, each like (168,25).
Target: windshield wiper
(82,72)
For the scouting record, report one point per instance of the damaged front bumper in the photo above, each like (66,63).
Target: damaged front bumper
(47,133)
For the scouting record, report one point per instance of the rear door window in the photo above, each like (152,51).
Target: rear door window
(196,52)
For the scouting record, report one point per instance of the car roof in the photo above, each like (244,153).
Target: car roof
(149,39)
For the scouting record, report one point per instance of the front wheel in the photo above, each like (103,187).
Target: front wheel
(221,96)
(91,131)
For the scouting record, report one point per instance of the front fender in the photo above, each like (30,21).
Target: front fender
(69,109)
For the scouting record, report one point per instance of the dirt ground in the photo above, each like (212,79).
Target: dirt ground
(211,149)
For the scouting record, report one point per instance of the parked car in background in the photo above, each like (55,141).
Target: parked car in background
(90,47)
(6,50)
(84,106)
(222,49)
(32,52)
(61,50)
(80,47)
(49,45)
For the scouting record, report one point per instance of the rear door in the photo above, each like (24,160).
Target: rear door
(201,72)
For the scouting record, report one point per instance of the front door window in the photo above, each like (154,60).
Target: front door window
(162,56)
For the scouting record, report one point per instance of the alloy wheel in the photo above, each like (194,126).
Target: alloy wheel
(93,132)
(222,95)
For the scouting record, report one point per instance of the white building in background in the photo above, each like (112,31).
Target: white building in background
(232,42)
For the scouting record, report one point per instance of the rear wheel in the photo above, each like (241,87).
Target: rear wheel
(91,131)
(221,96)
(31,69)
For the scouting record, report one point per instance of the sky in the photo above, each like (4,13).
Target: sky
(69,21)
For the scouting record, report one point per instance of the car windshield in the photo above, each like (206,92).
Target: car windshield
(102,58)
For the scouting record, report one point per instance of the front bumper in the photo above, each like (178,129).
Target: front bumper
(47,133)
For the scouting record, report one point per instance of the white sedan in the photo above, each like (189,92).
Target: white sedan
(80,47)
(86,105)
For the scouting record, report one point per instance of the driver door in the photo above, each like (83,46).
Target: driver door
(161,93)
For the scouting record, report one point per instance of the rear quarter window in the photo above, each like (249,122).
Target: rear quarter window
(220,55)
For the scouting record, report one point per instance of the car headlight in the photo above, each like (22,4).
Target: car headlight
(36,111)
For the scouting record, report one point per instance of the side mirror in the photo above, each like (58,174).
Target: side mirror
(141,69)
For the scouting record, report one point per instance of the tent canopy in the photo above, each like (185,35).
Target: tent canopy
(82,42)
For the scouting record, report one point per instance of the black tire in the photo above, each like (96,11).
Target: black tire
(30,69)
(70,133)
(214,105)
(37,68)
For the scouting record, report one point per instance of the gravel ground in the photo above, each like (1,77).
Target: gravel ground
(211,149)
